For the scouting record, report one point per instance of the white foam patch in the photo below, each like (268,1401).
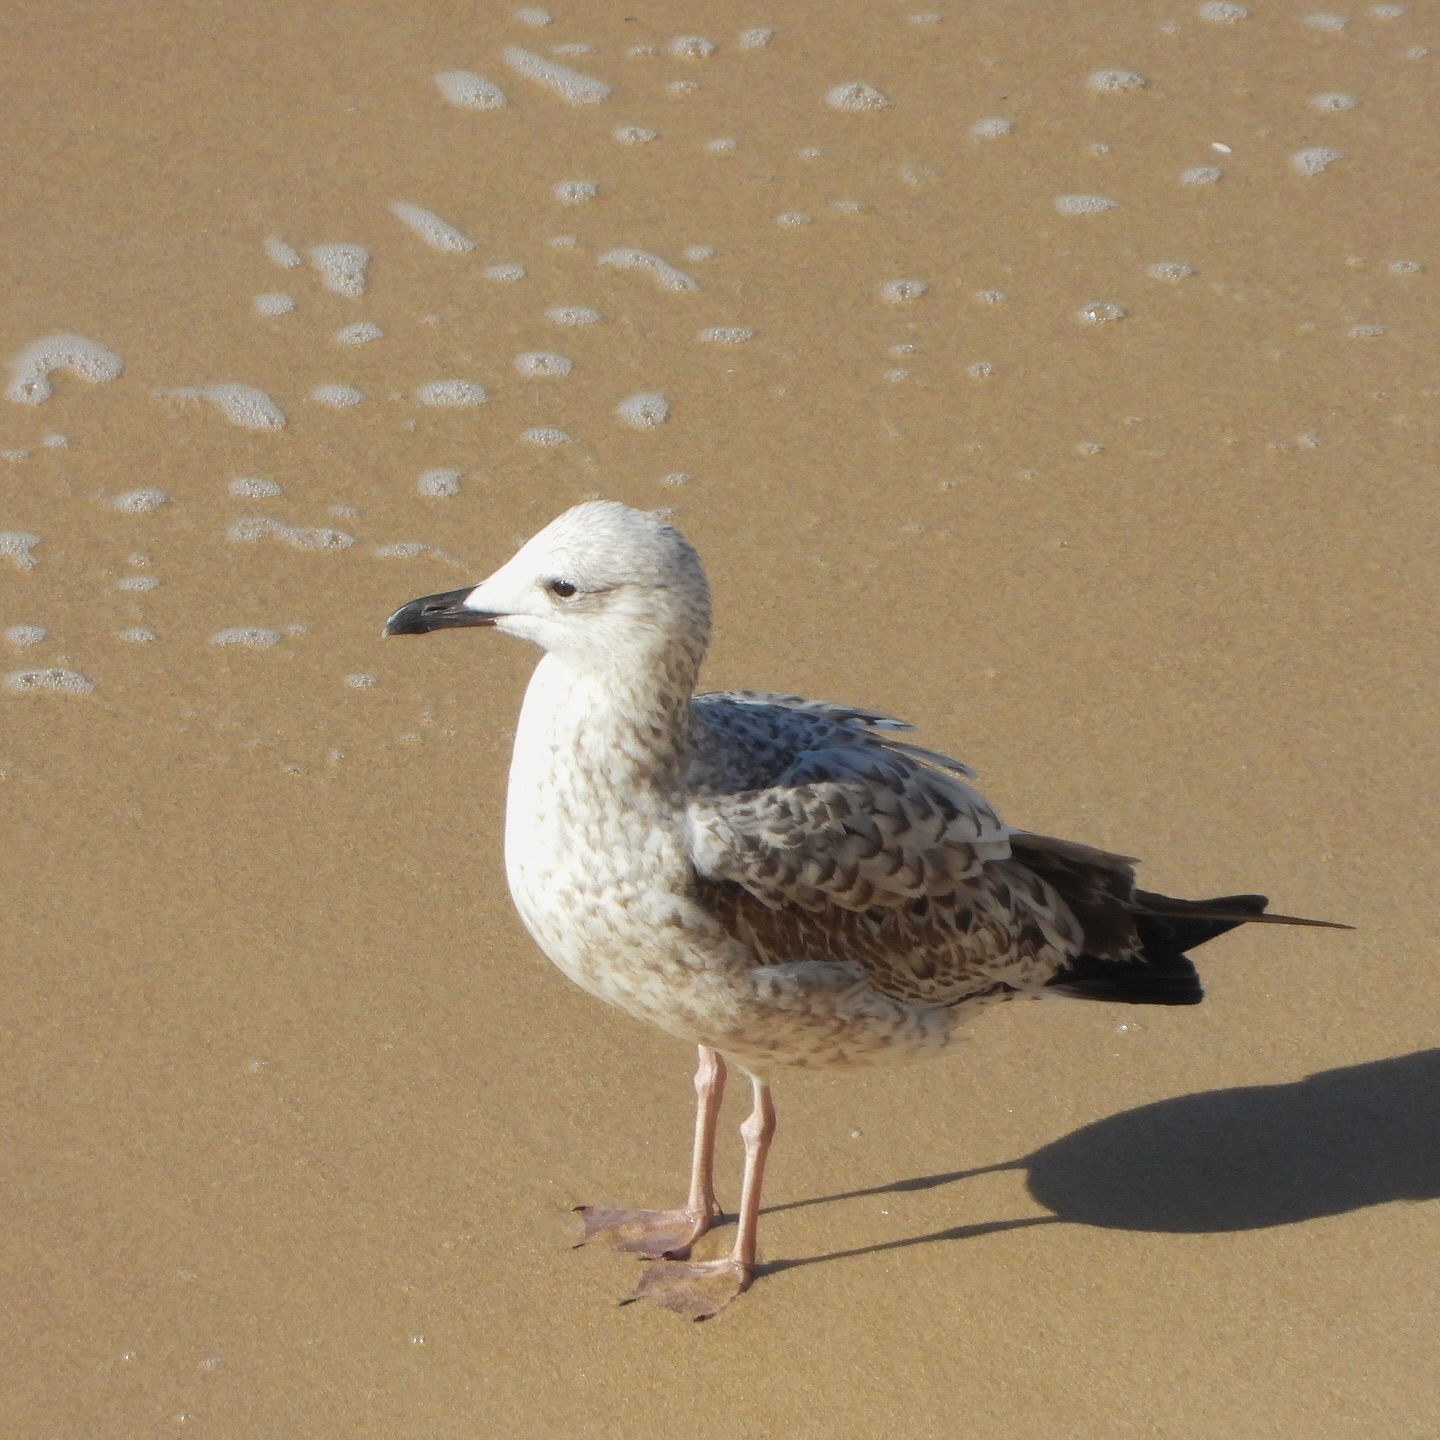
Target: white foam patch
(1201,175)
(1314,160)
(298,537)
(677,477)
(980,370)
(755,39)
(469,91)
(241,405)
(138,584)
(990,297)
(535,16)
(137,635)
(720,147)
(1114,82)
(665,275)
(1326,21)
(139,502)
(337,397)
(680,87)
(692,47)
(362,332)
(793,219)
(855,95)
(22,636)
(250,637)
(992,127)
(401,550)
(726,335)
(1170,271)
(439,484)
(570,85)
(573,315)
(55,442)
(545,435)
(1222,12)
(274,302)
(1333,100)
(1085,204)
(16,545)
(572,47)
(1361,331)
(1099,312)
(451,393)
(283,255)
(437,233)
(31,369)
(902,292)
(537,364)
(1387,12)
(575,192)
(1405,267)
(341,267)
(55,679)
(644,411)
(699,252)
(248,488)
(504,274)
(635,135)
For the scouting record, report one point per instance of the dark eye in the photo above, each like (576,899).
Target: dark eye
(561,589)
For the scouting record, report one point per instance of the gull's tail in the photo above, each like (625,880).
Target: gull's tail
(1162,973)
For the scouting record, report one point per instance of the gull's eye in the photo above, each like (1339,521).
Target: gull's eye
(561,589)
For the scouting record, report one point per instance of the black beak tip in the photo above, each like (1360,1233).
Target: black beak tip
(436,612)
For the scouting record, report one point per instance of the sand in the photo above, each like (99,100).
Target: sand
(295,1113)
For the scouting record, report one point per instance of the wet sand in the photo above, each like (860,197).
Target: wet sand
(295,1112)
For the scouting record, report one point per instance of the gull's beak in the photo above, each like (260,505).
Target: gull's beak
(437,612)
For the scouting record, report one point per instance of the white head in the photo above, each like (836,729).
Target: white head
(600,587)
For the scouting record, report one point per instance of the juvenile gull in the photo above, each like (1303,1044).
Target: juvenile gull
(780,881)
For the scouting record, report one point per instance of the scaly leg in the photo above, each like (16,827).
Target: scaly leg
(700,1290)
(659,1233)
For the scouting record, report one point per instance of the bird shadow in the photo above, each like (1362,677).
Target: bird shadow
(1220,1160)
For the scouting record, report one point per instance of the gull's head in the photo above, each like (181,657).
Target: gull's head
(600,585)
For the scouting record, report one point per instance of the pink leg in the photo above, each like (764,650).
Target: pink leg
(700,1290)
(672,1232)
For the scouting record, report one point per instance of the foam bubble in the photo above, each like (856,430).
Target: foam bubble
(980,370)
(575,192)
(727,335)
(990,297)
(55,442)
(535,16)
(571,86)
(896,375)
(21,636)
(361,682)
(338,397)
(1114,82)
(991,128)
(137,635)
(31,369)
(1387,12)
(1405,267)
(538,364)
(435,232)
(286,256)
(720,147)
(573,47)
(1171,271)
(362,332)
(1084,204)
(400,550)
(793,219)
(274,302)
(472,92)
(247,488)
(55,679)
(251,637)
(1333,100)
(139,502)
(699,252)
(241,405)
(680,87)
(563,242)
(665,275)
(341,267)
(635,135)
(902,292)
(439,484)
(692,47)
(1201,175)
(545,435)
(1314,160)
(1222,12)
(928,17)
(677,477)
(138,584)
(299,537)
(16,545)
(451,393)
(855,95)
(756,39)
(644,411)
(573,315)
(1099,312)
(1359,332)
(1326,21)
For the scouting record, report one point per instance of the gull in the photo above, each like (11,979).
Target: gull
(782,882)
